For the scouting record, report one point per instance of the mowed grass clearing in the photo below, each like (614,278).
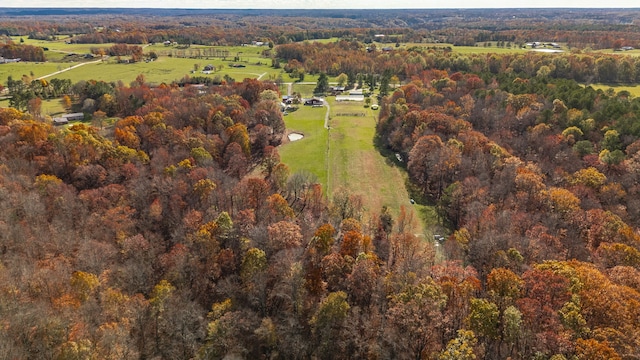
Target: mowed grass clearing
(479,49)
(345,156)
(165,69)
(35,69)
(309,153)
(356,165)
(633,90)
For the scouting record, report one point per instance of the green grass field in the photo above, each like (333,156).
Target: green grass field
(635,52)
(633,90)
(305,90)
(345,156)
(309,153)
(355,164)
(479,49)
(487,50)
(17,70)
(165,69)
(51,107)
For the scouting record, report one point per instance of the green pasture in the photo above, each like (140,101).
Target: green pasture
(345,156)
(305,90)
(488,50)
(635,52)
(355,163)
(309,153)
(51,107)
(58,48)
(31,69)
(633,90)
(479,49)
(325,41)
(165,69)
(247,53)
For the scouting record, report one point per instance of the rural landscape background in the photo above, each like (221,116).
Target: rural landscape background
(319,184)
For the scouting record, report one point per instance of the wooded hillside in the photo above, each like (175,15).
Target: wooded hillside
(177,233)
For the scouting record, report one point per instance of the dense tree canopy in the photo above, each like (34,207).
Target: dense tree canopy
(178,233)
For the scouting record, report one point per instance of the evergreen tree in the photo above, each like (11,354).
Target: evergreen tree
(322,85)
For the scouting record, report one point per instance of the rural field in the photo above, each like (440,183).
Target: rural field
(344,156)
(309,153)
(34,70)
(633,90)
(165,69)
(173,64)
(478,49)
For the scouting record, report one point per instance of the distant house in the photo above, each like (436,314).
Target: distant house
(6,61)
(74,116)
(60,121)
(167,43)
(209,67)
(66,118)
(313,102)
(336,89)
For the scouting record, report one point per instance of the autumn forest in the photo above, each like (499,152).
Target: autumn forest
(178,233)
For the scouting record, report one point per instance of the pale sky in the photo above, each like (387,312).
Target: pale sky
(320,4)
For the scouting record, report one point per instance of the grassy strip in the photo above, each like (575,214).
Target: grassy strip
(355,163)
(309,153)
(633,90)
(17,70)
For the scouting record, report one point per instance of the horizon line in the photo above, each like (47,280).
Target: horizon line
(332,9)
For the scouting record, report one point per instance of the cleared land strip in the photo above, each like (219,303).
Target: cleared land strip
(69,68)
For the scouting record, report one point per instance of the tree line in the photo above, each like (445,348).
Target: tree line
(527,183)
(177,233)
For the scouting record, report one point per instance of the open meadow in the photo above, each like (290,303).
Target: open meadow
(345,156)
(356,165)
(30,69)
(478,49)
(173,63)
(309,153)
(165,69)
(634,90)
